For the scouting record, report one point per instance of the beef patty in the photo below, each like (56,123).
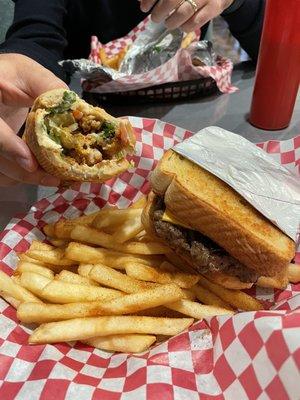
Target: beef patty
(206,255)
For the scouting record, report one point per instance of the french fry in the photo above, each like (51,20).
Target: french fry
(147,273)
(129,229)
(188,39)
(294,273)
(10,288)
(86,219)
(120,262)
(58,242)
(24,266)
(136,302)
(277,282)
(85,269)
(112,62)
(86,328)
(228,281)
(81,253)
(123,343)
(236,298)
(103,57)
(34,282)
(11,300)
(26,258)
(207,297)
(55,257)
(16,279)
(129,304)
(196,310)
(110,277)
(29,313)
(40,246)
(49,230)
(70,277)
(93,236)
(64,292)
(114,217)
(63,228)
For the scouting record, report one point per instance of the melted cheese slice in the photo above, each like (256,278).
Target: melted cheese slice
(169,217)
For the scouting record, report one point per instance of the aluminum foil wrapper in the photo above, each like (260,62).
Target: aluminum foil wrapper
(87,69)
(202,53)
(152,48)
(270,187)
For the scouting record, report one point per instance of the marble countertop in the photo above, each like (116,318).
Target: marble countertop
(226,111)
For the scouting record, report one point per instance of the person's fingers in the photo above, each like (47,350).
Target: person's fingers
(38,177)
(25,80)
(40,80)
(15,149)
(6,181)
(182,14)
(163,9)
(146,5)
(197,20)
(14,117)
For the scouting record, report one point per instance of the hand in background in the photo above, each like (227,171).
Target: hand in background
(21,81)
(187,14)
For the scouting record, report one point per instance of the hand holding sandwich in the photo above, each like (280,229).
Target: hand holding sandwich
(21,81)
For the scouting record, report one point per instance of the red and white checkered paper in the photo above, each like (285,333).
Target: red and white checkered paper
(253,355)
(178,68)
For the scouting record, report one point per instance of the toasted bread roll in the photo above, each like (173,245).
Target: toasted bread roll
(76,141)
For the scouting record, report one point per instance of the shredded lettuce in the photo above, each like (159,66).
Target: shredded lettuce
(108,130)
(53,131)
(68,99)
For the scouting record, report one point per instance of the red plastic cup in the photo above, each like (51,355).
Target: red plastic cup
(278,69)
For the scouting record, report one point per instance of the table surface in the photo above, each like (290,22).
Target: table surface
(226,111)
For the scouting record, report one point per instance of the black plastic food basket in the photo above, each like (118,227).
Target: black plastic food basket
(167,92)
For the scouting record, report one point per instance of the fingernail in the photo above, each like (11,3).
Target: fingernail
(49,180)
(26,164)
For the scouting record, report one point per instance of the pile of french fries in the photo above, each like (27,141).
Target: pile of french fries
(105,282)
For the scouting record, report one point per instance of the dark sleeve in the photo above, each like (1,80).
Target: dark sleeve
(245,20)
(38,32)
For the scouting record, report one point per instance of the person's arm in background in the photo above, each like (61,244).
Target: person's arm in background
(34,44)
(38,32)
(245,20)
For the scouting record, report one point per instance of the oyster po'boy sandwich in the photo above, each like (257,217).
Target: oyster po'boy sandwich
(211,228)
(75,141)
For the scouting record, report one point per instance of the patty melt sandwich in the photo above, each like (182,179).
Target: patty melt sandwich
(75,141)
(211,228)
